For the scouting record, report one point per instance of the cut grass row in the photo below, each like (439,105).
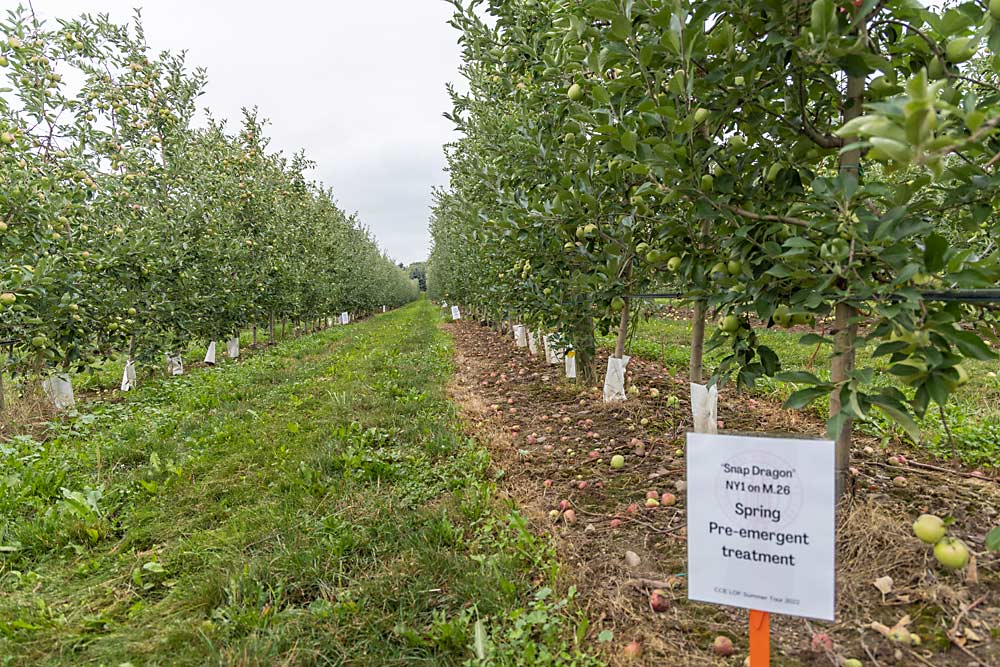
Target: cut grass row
(314,505)
(973,415)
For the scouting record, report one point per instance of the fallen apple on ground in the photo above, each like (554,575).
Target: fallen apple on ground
(929,528)
(952,553)
(722,646)
(658,601)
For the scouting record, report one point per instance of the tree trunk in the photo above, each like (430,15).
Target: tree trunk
(846,331)
(840,369)
(585,346)
(698,342)
(697,372)
(255,335)
(622,332)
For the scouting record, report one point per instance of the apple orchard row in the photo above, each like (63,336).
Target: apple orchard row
(127,228)
(780,163)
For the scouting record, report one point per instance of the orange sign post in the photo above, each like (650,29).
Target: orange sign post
(760,638)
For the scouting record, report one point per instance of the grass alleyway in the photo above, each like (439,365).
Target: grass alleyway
(314,505)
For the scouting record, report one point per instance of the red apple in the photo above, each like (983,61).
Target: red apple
(658,601)
(722,646)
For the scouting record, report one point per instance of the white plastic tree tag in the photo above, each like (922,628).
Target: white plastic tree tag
(614,381)
(210,355)
(128,376)
(233,348)
(59,390)
(345,318)
(571,363)
(705,408)
(455,315)
(175,365)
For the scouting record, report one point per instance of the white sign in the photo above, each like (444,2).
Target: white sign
(345,318)
(761,523)
(455,315)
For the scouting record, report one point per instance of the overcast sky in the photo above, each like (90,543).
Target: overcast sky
(360,85)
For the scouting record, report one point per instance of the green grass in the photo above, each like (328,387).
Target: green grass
(973,415)
(314,505)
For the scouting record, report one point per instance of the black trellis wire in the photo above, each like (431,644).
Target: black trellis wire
(973,296)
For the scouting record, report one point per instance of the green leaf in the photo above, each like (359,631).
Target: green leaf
(971,345)
(621,27)
(993,540)
(935,249)
(814,339)
(898,414)
(801,377)
(804,397)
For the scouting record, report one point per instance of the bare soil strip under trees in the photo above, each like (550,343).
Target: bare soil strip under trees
(554,442)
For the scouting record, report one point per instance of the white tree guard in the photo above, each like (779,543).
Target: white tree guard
(614,380)
(128,376)
(553,355)
(571,364)
(383,309)
(455,314)
(520,335)
(175,365)
(59,390)
(532,343)
(345,318)
(210,355)
(705,408)
(329,321)
(233,348)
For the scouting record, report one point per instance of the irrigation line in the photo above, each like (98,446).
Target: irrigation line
(974,296)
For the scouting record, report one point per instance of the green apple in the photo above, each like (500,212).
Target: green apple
(674,263)
(7,138)
(701,114)
(929,528)
(618,304)
(952,553)
(963,377)
(7,298)
(782,316)
(960,49)
(39,341)
(735,267)
(575,92)
(617,462)
(729,324)
(719,271)
(707,182)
